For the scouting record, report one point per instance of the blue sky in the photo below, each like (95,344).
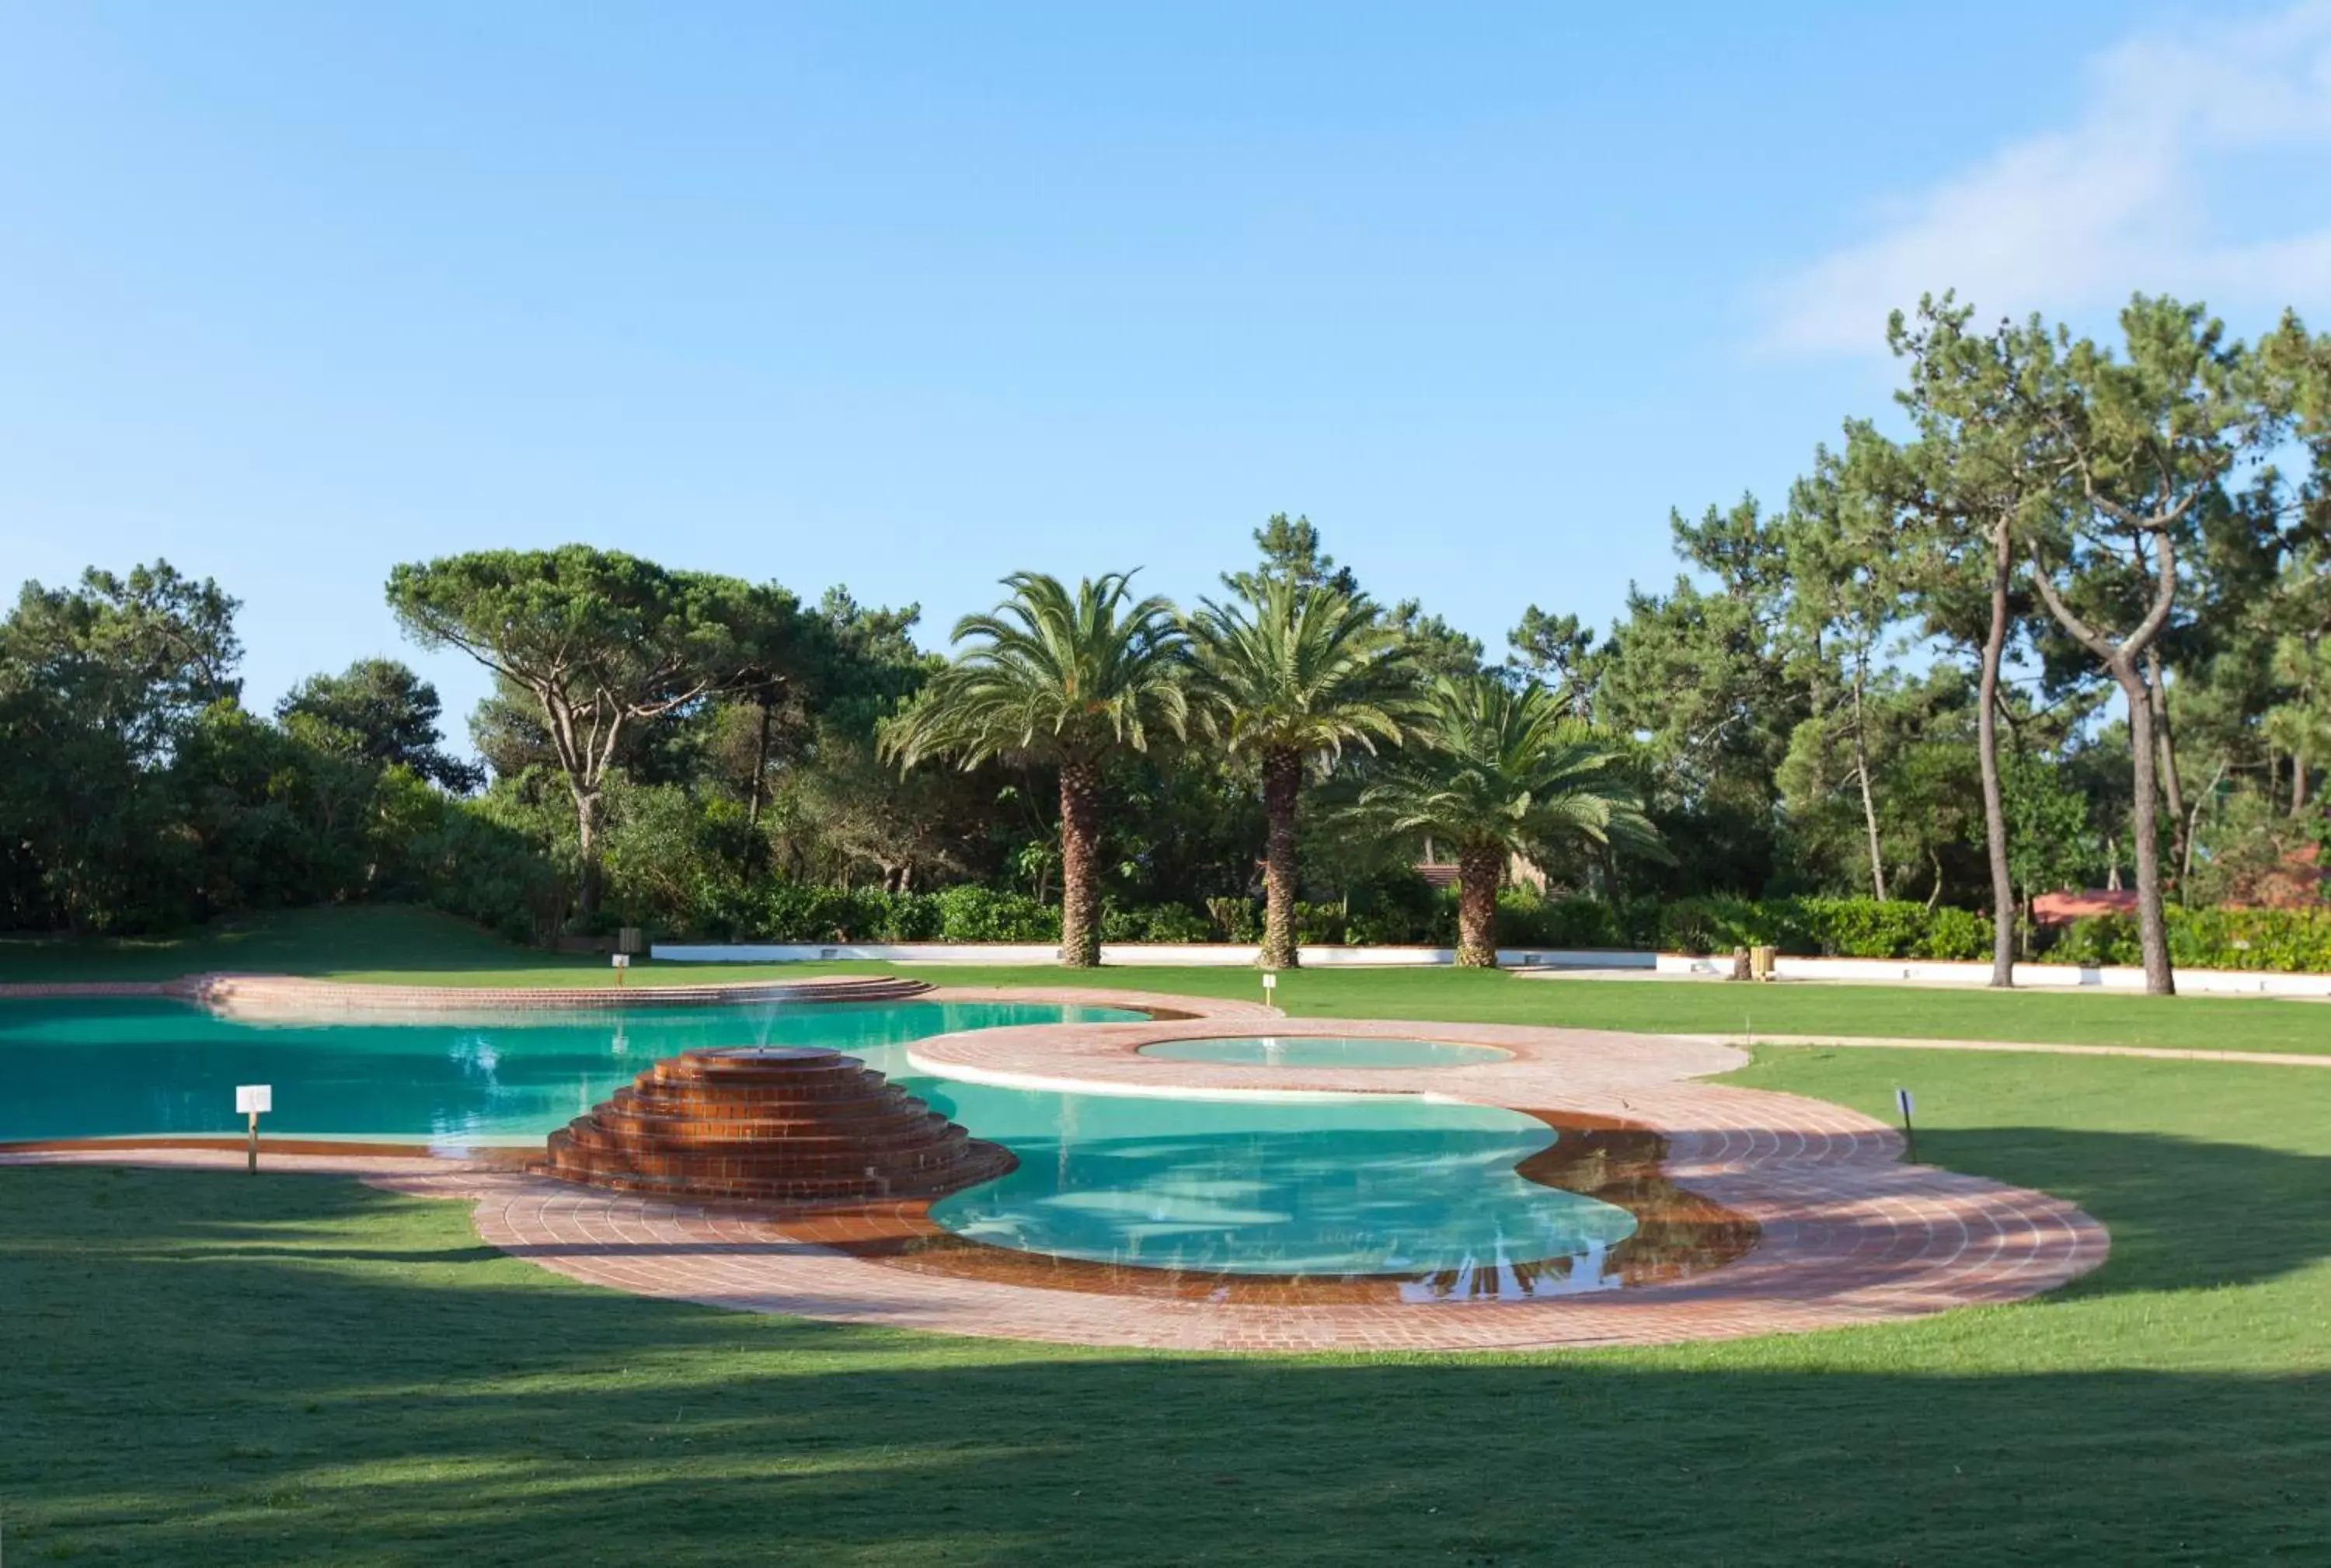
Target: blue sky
(905,296)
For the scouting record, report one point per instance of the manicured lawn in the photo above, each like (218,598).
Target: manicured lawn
(210,1369)
(415,947)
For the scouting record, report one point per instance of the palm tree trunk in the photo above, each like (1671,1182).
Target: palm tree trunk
(1080,848)
(1987,730)
(1282,786)
(1480,868)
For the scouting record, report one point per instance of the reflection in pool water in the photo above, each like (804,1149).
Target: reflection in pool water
(1324,1050)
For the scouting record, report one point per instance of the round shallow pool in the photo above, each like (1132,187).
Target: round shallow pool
(1327,1184)
(1324,1050)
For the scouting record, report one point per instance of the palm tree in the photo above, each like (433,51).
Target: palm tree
(1506,772)
(1292,674)
(1061,678)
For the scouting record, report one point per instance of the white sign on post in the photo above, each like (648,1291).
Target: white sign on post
(250,1099)
(1903,1102)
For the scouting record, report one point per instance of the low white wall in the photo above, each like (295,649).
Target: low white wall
(2038,976)
(1234,955)
(1195,954)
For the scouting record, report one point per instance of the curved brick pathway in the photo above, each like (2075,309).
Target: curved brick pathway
(1849,1233)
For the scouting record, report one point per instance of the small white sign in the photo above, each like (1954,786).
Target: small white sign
(1269,980)
(1903,1103)
(622,961)
(253,1098)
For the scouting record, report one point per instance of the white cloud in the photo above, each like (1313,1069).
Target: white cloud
(2115,202)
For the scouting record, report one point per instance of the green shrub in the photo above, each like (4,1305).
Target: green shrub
(975,913)
(1864,927)
(1721,923)
(2277,941)
(1323,925)
(1174,923)
(1821,928)
(1957,934)
(1235,919)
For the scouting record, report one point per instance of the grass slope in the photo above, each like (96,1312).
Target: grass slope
(413,946)
(208,1369)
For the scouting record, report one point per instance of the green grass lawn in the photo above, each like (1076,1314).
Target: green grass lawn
(414,946)
(212,1369)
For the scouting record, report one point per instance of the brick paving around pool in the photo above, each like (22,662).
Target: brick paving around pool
(1846,1232)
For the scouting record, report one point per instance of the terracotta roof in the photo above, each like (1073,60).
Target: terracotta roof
(2059,908)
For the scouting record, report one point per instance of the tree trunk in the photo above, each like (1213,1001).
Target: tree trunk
(753,844)
(1080,848)
(1995,811)
(2152,924)
(1282,787)
(1869,803)
(2120,661)
(586,840)
(2297,782)
(1480,868)
(2172,790)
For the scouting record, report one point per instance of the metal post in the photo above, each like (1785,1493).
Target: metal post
(250,1161)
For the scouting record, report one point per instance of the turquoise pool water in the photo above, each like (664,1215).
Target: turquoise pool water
(1369,1184)
(1358,1184)
(81,1069)
(1324,1050)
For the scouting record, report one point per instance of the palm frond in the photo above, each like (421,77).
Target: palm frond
(1051,674)
(1507,768)
(1300,669)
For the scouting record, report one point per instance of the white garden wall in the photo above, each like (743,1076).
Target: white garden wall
(1197,954)
(1676,965)
(2038,976)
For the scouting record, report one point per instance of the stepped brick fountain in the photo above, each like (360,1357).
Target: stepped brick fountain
(782,1124)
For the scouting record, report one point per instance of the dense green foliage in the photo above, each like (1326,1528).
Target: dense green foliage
(2143,534)
(2277,940)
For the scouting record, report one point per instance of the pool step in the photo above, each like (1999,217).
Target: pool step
(771,1124)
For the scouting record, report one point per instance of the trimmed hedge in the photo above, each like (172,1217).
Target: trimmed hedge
(1814,927)
(2257,939)
(2283,941)
(799,912)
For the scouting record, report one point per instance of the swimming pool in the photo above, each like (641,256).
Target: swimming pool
(106,1069)
(1332,1185)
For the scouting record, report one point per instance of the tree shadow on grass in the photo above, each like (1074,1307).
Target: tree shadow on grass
(2184,1213)
(386,1395)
